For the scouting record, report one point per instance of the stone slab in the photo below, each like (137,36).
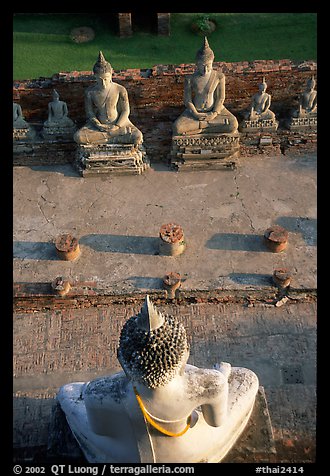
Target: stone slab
(223,213)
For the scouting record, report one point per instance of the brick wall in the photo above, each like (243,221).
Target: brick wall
(156,94)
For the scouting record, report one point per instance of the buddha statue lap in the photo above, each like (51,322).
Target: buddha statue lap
(159,409)
(109,142)
(306,114)
(206,126)
(259,116)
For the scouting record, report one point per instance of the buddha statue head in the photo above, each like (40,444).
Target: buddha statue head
(204,57)
(102,65)
(153,347)
(263,85)
(102,69)
(311,83)
(55,95)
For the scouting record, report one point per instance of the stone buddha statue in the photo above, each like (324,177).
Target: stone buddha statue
(259,117)
(107,109)
(22,131)
(18,118)
(260,105)
(308,101)
(58,113)
(204,96)
(58,125)
(305,117)
(159,409)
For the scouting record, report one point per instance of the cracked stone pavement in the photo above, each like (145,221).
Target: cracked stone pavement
(117,220)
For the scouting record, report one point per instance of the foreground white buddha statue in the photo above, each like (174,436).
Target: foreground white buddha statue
(160,409)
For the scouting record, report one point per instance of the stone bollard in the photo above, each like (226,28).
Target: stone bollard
(282,277)
(172,282)
(171,240)
(67,247)
(276,238)
(60,286)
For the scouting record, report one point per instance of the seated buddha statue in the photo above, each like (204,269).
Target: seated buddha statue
(18,118)
(260,105)
(58,113)
(204,96)
(107,110)
(308,101)
(159,409)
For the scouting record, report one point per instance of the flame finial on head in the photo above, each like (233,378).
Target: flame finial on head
(102,65)
(149,318)
(205,53)
(55,94)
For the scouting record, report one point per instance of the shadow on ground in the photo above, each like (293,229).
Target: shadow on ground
(236,242)
(304,225)
(144,245)
(38,250)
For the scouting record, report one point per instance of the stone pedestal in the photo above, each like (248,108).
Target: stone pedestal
(119,159)
(58,133)
(258,125)
(204,151)
(302,124)
(23,134)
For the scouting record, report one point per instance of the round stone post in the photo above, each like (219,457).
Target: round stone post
(171,240)
(67,247)
(60,286)
(276,238)
(282,277)
(172,282)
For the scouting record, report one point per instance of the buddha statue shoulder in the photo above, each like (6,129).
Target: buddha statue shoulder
(159,409)
(107,110)
(204,96)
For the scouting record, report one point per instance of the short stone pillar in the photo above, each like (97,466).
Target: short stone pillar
(171,240)
(282,277)
(276,238)
(172,282)
(163,20)
(67,247)
(125,24)
(60,286)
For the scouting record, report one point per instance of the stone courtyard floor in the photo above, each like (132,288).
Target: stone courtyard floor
(117,219)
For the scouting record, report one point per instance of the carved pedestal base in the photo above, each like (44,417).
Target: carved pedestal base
(267,125)
(23,134)
(58,133)
(119,159)
(204,151)
(302,123)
